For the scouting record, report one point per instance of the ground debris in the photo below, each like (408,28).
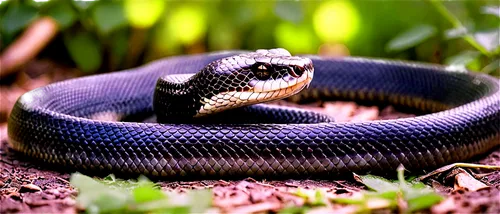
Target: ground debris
(27,188)
(485,200)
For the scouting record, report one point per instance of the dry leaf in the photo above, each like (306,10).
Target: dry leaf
(464,180)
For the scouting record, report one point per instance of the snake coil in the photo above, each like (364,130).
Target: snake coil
(57,124)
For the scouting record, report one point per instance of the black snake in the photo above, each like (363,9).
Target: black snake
(56,124)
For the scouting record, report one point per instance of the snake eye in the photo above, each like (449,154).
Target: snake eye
(261,71)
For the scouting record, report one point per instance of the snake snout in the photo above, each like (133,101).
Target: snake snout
(299,69)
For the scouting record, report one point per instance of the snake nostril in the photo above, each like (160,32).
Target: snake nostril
(308,66)
(296,71)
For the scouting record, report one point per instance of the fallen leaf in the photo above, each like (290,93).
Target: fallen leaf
(464,180)
(29,188)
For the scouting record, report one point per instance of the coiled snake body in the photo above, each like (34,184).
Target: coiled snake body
(55,124)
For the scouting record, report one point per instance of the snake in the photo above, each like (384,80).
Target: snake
(202,115)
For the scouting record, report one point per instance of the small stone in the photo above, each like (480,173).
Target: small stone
(15,196)
(48,196)
(69,202)
(29,188)
(53,192)
(35,202)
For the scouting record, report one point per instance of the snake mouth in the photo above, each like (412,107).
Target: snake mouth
(282,88)
(263,91)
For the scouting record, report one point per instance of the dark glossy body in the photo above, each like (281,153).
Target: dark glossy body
(52,124)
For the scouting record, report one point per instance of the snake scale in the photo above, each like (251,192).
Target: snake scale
(460,119)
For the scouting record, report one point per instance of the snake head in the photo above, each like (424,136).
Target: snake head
(249,78)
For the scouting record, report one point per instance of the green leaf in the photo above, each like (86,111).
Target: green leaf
(455,33)
(345,200)
(200,200)
(176,210)
(17,17)
(379,184)
(418,185)
(112,200)
(110,178)
(392,195)
(119,46)
(96,196)
(300,192)
(415,191)
(109,16)
(416,194)
(492,10)
(463,58)
(423,201)
(146,193)
(411,38)
(294,210)
(111,195)
(4,3)
(492,67)
(84,183)
(63,13)
(85,50)
(319,198)
(83,5)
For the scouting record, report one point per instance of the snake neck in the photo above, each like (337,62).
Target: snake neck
(178,98)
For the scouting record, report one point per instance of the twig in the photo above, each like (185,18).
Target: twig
(464,165)
(62,179)
(31,42)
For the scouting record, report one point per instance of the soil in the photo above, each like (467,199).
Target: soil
(26,187)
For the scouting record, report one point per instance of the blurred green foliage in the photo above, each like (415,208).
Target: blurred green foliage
(111,195)
(110,35)
(400,196)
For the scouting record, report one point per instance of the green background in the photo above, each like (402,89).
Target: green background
(100,36)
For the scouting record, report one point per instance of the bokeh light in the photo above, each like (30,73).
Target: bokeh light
(144,13)
(187,24)
(336,21)
(295,38)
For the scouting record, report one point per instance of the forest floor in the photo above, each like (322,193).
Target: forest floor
(26,187)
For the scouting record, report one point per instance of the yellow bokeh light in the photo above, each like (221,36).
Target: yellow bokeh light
(336,21)
(187,24)
(143,13)
(295,38)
